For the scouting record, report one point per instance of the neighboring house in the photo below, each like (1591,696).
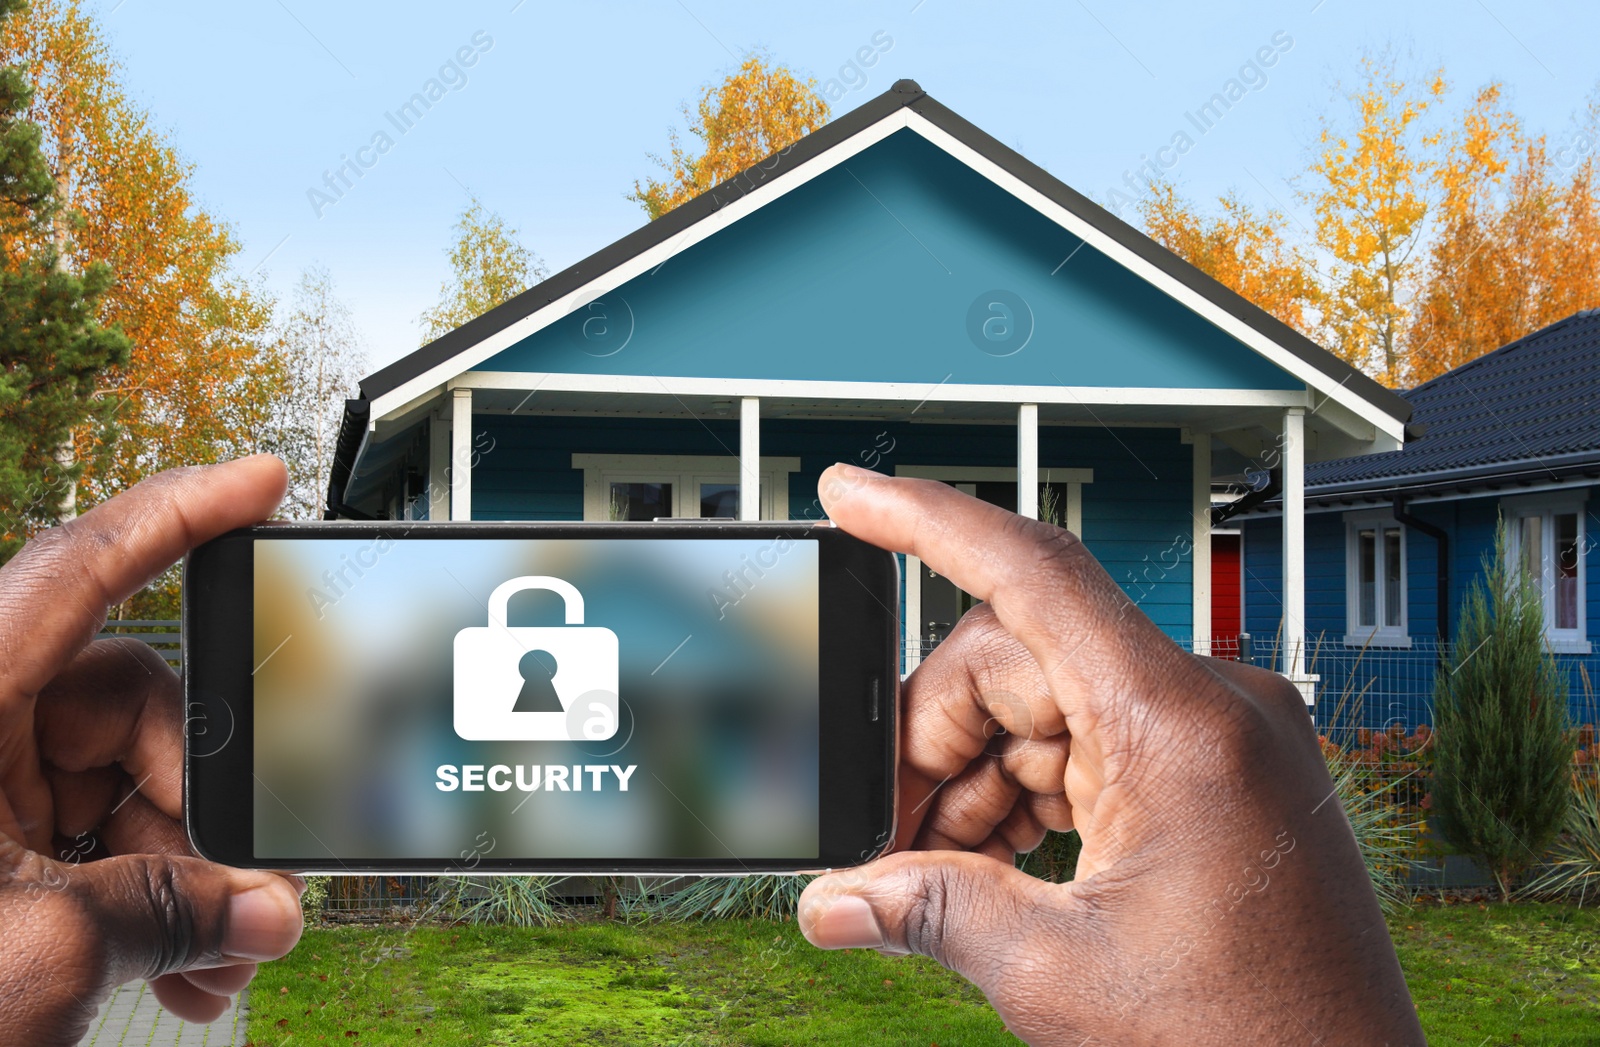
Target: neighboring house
(898,290)
(1393,540)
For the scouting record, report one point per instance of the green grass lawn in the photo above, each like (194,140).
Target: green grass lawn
(1485,975)
(723,982)
(1481,976)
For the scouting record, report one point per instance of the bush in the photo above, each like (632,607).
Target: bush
(1502,747)
(1056,857)
(1385,831)
(517,901)
(732,897)
(1574,869)
(315,898)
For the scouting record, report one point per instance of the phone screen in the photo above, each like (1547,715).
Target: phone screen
(439,698)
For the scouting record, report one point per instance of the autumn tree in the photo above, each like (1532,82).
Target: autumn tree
(1517,247)
(199,373)
(488,265)
(1368,186)
(52,350)
(754,112)
(320,360)
(1239,247)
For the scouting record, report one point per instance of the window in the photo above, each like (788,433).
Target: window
(1546,537)
(645,486)
(1375,580)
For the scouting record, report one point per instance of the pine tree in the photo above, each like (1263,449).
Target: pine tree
(1503,747)
(52,350)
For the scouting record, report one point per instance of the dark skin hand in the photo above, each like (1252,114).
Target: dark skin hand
(1220,897)
(97,882)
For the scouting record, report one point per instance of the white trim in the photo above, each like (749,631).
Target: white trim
(438,467)
(786,181)
(1377,634)
(1073,478)
(1157,278)
(991,473)
(1294,542)
(750,458)
(915,392)
(1547,505)
(1028,461)
(1425,499)
(1200,557)
(611,279)
(685,472)
(911,628)
(461,454)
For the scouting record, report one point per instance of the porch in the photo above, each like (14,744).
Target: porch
(1130,474)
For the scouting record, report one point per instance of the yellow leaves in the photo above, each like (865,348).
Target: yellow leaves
(1370,210)
(1240,249)
(192,389)
(488,266)
(753,113)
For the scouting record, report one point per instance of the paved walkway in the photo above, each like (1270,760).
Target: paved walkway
(132,1018)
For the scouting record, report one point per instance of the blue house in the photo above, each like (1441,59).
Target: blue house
(1392,540)
(898,290)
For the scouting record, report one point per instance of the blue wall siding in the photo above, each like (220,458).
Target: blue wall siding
(868,272)
(1136,514)
(1263,578)
(1397,684)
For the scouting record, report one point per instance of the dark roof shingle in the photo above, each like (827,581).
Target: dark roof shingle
(1533,400)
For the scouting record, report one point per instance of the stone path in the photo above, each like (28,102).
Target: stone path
(133,1018)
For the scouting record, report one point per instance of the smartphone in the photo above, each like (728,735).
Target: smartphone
(602,698)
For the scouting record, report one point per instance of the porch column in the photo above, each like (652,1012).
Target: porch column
(1294,541)
(1028,460)
(1200,557)
(461,454)
(750,458)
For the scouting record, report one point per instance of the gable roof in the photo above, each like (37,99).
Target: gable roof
(1530,407)
(1321,367)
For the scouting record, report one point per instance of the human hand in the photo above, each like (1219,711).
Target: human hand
(1220,896)
(97,882)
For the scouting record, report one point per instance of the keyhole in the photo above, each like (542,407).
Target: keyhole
(538,695)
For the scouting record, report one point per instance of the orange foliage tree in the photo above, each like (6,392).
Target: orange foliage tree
(755,112)
(1240,248)
(1518,242)
(203,365)
(1369,191)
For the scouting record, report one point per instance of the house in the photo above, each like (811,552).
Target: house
(898,290)
(1392,540)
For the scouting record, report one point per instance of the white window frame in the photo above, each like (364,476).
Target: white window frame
(961,476)
(1377,634)
(1560,641)
(685,472)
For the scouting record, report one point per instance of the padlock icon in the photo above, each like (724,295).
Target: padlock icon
(492,673)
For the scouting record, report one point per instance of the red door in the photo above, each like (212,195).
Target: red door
(1227,595)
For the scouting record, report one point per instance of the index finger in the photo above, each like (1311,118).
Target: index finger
(1092,642)
(55,593)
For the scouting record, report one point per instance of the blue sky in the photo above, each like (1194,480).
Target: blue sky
(555,118)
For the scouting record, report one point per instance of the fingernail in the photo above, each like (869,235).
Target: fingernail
(844,922)
(262,925)
(855,472)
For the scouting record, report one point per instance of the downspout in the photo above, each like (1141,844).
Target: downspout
(1441,567)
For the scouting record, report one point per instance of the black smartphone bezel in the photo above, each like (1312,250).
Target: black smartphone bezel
(858,670)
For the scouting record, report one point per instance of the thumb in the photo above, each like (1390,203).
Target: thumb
(158,914)
(969,912)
